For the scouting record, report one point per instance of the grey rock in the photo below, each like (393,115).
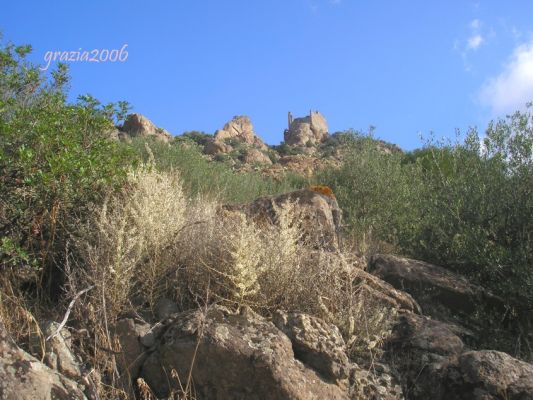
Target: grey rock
(236,356)
(316,343)
(23,377)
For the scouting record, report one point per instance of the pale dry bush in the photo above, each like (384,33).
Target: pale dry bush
(267,267)
(151,241)
(126,253)
(330,288)
(241,262)
(127,247)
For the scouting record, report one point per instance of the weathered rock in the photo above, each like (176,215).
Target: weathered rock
(240,128)
(487,375)
(58,351)
(372,288)
(138,125)
(255,156)
(236,356)
(386,293)
(315,343)
(310,129)
(164,308)
(132,353)
(419,349)
(319,215)
(376,383)
(423,334)
(432,286)
(214,147)
(24,377)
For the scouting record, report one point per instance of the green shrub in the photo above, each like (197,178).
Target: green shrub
(466,206)
(372,189)
(55,157)
(201,176)
(200,138)
(475,208)
(284,149)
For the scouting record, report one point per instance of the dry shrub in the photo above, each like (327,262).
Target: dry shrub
(19,313)
(242,263)
(151,241)
(126,252)
(269,268)
(127,247)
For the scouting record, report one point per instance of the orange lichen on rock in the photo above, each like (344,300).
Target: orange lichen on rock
(322,189)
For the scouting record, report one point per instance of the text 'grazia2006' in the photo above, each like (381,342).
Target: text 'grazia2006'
(94,55)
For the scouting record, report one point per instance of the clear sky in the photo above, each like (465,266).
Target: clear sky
(405,67)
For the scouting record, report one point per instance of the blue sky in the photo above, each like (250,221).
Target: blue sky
(405,67)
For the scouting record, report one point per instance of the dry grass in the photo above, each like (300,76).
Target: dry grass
(151,242)
(128,247)
(246,264)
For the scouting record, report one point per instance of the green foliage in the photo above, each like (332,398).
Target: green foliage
(55,157)
(200,138)
(467,206)
(200,176)
(372,189)
(475,208)
(284,149)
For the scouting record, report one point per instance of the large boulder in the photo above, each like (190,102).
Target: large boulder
(23,377)
(320,346)
(317,209)
(311,129)
(240,128)
(255,156)
(214,147)
(435,288)
(419,349)
(232,356)
(315,343)
(137,125)
(487,375)
(434,364)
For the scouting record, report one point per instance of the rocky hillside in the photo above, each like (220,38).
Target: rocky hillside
(222,352)
(138,265)
(308,146)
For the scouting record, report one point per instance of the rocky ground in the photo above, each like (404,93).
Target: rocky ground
(223,353)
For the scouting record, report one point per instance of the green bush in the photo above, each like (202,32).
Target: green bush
(55,157)
(475,208)
(201,176)
(200,138)
(467,206)
(372,189)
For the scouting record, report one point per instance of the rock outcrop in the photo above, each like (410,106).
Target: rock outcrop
(318,213)
(486,375)
(312,129)
(315,343)
(441,293)
(137,125)
(255,156)
(215,147)
(23,377)
(241,129)
(233,356)
(238,131)
(435,364)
